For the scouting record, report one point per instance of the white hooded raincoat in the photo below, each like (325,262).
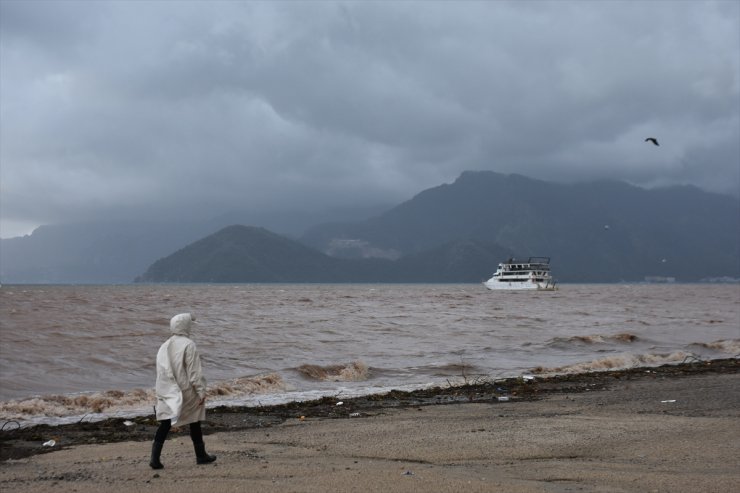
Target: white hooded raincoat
(180,383)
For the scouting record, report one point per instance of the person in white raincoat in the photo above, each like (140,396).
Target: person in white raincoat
(181,390)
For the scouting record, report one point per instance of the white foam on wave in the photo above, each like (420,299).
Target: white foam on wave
(618,362)
(310,395)
(95,406)
(218,399)
(75,404)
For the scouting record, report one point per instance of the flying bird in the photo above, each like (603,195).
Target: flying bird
(653,140)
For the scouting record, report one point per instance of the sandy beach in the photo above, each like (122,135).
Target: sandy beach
(668,429)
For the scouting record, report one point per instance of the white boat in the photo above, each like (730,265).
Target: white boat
(512,275)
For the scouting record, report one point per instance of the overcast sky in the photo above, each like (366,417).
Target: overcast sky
(132,108)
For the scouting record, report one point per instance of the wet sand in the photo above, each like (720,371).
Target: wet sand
(668,429)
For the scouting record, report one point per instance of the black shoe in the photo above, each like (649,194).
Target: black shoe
(201,457)
(156,452)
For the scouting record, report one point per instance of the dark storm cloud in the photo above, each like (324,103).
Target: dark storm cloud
(198,108)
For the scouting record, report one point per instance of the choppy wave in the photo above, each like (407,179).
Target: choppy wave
(621,338)
(619,362)
(729,346)
(132,401)
(237,387)
(73,405)
(355,371)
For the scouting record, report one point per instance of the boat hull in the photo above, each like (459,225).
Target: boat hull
(518,286)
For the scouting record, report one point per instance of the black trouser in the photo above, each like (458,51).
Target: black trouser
(196,434)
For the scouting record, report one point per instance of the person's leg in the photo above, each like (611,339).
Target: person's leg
(163,430)
(159,438)
(196,435)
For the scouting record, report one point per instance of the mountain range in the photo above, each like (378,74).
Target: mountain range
(251,254)
(602,231)
(99,252)
(605,231)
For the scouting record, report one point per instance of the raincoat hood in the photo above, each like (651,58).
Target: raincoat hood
(182,324)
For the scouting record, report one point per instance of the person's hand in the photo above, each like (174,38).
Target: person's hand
(202,401)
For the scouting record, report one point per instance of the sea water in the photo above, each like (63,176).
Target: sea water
(87,352)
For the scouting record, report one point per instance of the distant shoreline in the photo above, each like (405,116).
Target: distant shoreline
(729,281)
